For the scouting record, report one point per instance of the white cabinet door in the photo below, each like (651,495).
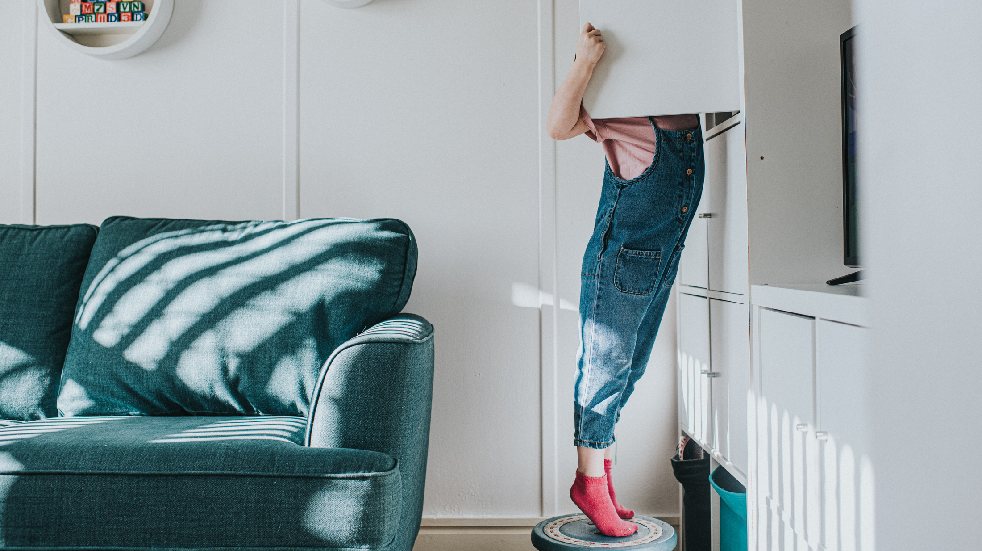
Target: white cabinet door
(841,378)
(693,360)
(785,371)
(726,177)
(648,39)
(694,263)
(730,357)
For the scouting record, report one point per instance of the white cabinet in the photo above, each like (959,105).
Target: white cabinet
(713,370)
(808,380)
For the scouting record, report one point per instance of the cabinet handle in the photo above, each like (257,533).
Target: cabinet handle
(705,215)
(710,374)
(801,427)
(821,435)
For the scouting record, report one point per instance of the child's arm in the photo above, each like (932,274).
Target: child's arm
(564,115)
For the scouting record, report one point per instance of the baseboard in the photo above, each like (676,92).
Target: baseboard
(484,534)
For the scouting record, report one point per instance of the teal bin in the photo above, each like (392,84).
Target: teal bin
(732,510)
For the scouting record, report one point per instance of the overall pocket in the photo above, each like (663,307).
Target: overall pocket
(636,271)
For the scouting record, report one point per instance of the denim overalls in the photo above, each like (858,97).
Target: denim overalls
(629,267)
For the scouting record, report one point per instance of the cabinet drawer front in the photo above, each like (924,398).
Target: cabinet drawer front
(784,359)
(693,359)
(841,402)
(727,229)
(730,357)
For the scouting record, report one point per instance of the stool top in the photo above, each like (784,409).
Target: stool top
(572,532)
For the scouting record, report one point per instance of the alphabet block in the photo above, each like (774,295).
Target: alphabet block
(80,18)
(67,18)
(110,7)
(101,18)
(86,8)
(98,7)
(139,16)
(137,6)
(124,7)
(126,16)
(75,9)
(90,18)
(112,17)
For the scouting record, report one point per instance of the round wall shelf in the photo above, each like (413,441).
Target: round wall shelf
(116,40)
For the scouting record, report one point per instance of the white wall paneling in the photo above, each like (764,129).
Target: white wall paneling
(430,111)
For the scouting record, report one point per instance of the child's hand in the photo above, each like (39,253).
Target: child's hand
(591,46)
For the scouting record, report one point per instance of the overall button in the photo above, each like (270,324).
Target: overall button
(688,136)
(685,210)
(689,171)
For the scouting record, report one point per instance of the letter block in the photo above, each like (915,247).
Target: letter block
(137,6)
(101,18)
(124,7)
(98,7)
(126,16)
(86,8)
(80,18)
(139,16)
(75,9)
(110,7)
(112,17)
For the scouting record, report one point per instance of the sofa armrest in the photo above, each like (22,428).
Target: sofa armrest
(375,392)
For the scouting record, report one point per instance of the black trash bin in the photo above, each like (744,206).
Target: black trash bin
(691,468)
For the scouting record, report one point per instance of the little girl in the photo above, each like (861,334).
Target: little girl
(651,188)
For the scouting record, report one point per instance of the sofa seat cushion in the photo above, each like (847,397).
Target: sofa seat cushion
(41,270)
(190,482)
(187,317)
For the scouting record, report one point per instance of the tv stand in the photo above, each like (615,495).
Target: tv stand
(848,278)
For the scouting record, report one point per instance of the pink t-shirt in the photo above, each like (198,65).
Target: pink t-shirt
(629,143)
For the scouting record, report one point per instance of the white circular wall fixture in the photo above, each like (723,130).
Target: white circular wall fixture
(349,3)
(117,40)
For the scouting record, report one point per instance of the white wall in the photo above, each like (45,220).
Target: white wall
(425,110)
(920,173)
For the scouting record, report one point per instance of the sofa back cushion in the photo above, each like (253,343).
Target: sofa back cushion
(41,270)
(181,317)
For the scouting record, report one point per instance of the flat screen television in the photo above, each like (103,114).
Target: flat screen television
(850,203)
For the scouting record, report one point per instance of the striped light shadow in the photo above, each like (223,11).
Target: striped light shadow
(206,295)
(31,429)
(280,429)
(141,297)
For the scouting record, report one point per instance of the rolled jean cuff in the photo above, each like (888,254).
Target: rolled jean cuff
(591,444)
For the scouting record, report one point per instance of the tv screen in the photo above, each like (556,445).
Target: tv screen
(850,209)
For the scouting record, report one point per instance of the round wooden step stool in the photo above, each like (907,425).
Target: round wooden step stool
(573,532)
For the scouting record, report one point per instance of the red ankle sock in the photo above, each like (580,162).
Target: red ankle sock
(621,511)
(590,494)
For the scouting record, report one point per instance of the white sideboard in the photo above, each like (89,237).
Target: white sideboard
(809,484)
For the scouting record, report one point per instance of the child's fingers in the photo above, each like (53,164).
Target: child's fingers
(587,27)
(594,32)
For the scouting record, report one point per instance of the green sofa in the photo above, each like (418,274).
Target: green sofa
(188,384)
